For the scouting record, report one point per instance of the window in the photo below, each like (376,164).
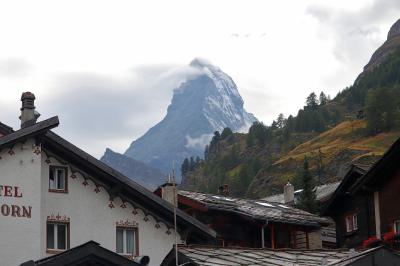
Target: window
(351,223)
(58,179)
(127,241)
(57,236)
(397,227)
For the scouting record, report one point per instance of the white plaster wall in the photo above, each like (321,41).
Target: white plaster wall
(20,236)
(92,219)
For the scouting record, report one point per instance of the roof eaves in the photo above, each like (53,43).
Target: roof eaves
(27,132)
(392,151)
(108,171)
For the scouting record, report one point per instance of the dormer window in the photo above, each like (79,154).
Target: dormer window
(58,179)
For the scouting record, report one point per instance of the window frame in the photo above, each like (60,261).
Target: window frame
(135,241)
(56,250)
(55,168)
(395,227)
(351,222)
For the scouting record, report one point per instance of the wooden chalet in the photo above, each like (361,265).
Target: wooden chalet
(365,206)
(251,223)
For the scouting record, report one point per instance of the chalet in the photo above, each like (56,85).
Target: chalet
(250,223)
(364,206)
(323,194)
(55,197)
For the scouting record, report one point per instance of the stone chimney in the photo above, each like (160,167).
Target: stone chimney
(28,114)
(168,191)
(288,194)
(223,190)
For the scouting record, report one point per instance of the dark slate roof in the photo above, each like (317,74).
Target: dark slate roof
(111,179)
(90,253)
(260,210)
(27,132)
(323,193)
(4,129)
(235,256)
(355,172)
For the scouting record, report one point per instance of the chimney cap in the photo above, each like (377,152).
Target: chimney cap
(27,96)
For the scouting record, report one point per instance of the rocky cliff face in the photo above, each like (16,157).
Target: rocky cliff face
(143,174)
(392,43)
(199,106)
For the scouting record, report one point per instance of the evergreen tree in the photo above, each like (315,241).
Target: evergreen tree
(382,110)
(192,164)
(312,101)
(323,99)
(185,166)
(281,121)
(308,198)
(227,132)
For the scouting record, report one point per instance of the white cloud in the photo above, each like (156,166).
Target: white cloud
(198,143)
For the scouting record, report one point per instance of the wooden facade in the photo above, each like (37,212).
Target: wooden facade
(254,226)
(365,205)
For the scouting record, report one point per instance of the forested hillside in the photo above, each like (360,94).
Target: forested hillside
(356,126)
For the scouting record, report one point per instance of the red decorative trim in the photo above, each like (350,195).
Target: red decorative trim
(11,152)
(48,161)
(97,189)
(168,232)
(134,212)
(111,205)
(73,176)
(37,150)
(157,225)
(58,218)
(126,223)
(123,205)
(85,183)
(146,218)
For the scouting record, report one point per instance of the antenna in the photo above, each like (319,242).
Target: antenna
(175,203)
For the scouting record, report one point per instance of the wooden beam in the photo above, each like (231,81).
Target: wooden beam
(307,241)
(272,237)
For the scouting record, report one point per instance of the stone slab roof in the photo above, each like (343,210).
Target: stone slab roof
(260,210)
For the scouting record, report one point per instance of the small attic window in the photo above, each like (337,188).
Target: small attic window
(58,179)
(265,204)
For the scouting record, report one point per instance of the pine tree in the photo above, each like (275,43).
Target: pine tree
(308,198)
(322,98)
(226,133)
(312,101)
(185,167)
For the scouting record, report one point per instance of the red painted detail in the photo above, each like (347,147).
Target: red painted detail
(123,205)
(85,183)
(97,189)
(11,152)
(134,212)
(157,225)
(111,205)
(73,176)
(48,161)
(145,218)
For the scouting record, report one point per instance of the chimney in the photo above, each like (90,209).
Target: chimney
(28,114)
(168,191)
(288,193)
(225,191)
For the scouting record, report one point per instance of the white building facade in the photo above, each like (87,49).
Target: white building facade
(54,196)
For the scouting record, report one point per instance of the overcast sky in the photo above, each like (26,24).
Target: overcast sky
(108,68)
